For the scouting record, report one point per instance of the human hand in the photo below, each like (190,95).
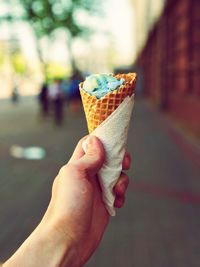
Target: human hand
(76,208)
(76,217)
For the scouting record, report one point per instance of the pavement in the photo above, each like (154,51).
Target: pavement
(160,223)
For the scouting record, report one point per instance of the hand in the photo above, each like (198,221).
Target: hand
(76,218)
(76,206)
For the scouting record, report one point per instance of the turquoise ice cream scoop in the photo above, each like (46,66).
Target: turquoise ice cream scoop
(101,84)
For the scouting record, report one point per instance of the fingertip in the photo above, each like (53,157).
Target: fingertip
(94,155)
(121,185)
(93,146)
(119,202)
(80,142)
(126,163)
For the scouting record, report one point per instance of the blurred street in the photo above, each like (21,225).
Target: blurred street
(159,225)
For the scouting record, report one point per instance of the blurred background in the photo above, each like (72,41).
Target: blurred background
(46,49)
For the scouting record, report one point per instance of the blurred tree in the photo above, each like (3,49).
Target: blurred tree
(16,58)
(2,58)
(2,55)
(47,16)
(56,70)
(18,63)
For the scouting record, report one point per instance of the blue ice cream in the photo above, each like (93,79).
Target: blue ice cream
(101,84)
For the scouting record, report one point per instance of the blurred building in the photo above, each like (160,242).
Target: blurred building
(146,12)
(170,62)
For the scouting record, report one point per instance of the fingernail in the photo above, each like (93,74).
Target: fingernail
(89,144)
(84,145)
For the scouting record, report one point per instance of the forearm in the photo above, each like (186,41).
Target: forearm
(46,249)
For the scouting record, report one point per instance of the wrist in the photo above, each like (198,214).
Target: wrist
(60,248)
(45,247)
(63,246)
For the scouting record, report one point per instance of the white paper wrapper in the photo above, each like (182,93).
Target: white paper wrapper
(113,133)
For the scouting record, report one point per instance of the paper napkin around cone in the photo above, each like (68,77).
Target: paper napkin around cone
(113,133)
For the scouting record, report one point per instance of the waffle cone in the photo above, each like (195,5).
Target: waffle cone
(97,110)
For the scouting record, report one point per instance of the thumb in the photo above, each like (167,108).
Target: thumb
(94,156)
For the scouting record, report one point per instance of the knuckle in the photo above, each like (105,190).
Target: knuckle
(62,170)
(124,179)
(73,169)
(76,169)
(69,168)
(127,180)
(82,139)
(122,184)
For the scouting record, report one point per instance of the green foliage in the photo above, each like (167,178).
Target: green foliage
(2,55)
(48,15)
(55,70)
(1,58)
(18,63)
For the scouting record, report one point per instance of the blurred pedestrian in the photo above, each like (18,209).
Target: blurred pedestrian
(73,91)
(56,97)
(15,95)
(65,88)
(44,100)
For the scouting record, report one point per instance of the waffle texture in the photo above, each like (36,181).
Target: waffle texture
(97,110)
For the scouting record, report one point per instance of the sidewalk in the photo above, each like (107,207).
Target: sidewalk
(159,225)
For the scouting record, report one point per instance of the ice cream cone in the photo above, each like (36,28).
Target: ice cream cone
(97,110)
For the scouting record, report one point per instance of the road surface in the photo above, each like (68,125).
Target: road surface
(160,223)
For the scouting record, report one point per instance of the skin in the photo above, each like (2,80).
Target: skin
(76,218)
